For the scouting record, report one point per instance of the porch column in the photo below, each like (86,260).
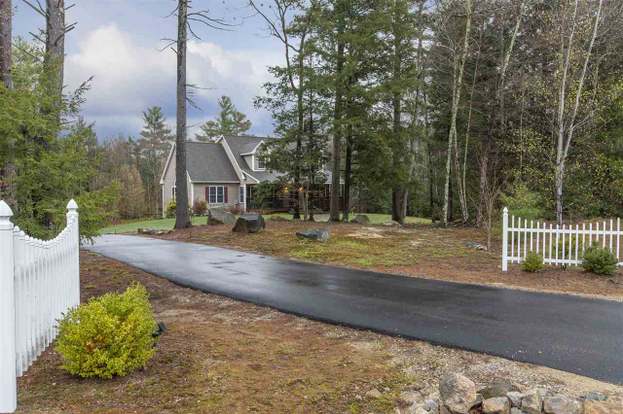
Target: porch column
(244,194)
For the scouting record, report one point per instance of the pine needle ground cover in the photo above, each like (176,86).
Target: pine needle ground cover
(223,356)
(420,250)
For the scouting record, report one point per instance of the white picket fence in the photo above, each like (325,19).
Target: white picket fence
(559,245)
(39,281)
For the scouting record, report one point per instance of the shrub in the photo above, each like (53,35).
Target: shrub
(109,336)
(532,263)
(524,203)
(599,261)
(171,208)
(200,208)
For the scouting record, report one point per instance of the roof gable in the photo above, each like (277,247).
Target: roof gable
(208,162)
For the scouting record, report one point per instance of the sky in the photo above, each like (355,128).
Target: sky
(119,42)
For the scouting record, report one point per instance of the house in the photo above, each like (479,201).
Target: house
(222,173)
(225,173)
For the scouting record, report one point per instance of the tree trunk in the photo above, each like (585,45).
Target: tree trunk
(456,97)
(334,211)
(6,15)
(182,219)
(54,61)
(566,130)
(347,174)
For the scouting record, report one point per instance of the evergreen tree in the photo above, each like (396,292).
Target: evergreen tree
(152,148)
(229,122)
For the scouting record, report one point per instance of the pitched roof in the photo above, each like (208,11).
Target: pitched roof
(244,145)
(208,162)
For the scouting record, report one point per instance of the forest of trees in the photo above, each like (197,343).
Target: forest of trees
(446,109)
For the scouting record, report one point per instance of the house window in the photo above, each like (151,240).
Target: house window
(260,164)
(216,194)
(241,195)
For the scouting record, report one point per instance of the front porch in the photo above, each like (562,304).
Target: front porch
(284,197)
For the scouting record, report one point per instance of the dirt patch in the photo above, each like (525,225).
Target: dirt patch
(223,356)
(416,250)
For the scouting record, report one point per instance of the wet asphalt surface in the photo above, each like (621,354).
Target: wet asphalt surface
(570,333)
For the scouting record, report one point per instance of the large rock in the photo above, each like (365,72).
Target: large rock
(496,389)
(560,404)
(361,219)
(458,393)
(249,223)
(532,402)
(220,216)
(515,398)
(153,232)
(321,235)
(496,405)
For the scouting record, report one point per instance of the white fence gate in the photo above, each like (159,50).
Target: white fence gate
(39,281)
(559,245)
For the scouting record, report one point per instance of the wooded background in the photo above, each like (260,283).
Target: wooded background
(444,109)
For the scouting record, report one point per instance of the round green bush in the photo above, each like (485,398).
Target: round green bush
(532,263)
(599,261)
(109,336)
(170,212)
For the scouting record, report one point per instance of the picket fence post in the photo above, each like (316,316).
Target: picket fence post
(505,240)
(8,381)
(72,220)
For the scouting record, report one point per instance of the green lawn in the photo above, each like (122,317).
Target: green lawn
(168,223)
(375,218)
(160,224)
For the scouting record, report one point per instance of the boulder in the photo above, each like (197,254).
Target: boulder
(249,223)
(153,232)
(560,404)
(515,410)
(374,393)
(515,398)
(595,396)
(321,235)
(458,393)
(431,405)
(220,216)
(496,405)
(532,402)
(361,219)
(496,389)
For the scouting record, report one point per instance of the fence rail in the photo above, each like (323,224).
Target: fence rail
(39,281)
(559,245)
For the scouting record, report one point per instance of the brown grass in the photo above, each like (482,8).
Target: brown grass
(223,356)
(416,250)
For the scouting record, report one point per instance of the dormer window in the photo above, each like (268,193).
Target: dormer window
(260,164)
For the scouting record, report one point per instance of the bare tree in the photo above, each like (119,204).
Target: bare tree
(182,218)
(6,14)
(497,124)
(185,17)
(54,39)
(457,86)
(567,121)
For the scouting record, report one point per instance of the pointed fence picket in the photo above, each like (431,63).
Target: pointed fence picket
(558,245)
(39,282)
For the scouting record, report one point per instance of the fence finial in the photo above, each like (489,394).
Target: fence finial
(72,205)
(505,211)
(5,211)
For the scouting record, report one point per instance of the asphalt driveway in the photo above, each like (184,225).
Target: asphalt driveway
(575,334)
